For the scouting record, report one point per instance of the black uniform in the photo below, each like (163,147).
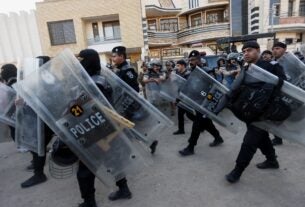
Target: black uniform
(182,111)
(128,75)
(255,138)
(200,124)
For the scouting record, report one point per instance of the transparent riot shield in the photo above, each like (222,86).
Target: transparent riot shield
(148,120)
(294,69)
(66,98)
(154,97)
(293,127)
(7,105)
(169,89)
(203,93)
(4,133)
(29,127)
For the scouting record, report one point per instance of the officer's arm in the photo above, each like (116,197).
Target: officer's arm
(280,71)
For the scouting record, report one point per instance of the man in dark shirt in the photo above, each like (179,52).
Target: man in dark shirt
(254,138)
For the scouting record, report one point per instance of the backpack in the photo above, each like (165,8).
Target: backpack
(249,101)
(258,102)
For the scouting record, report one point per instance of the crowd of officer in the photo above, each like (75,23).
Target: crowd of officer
(153,73)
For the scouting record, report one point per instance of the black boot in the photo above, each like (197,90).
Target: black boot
(88,203)
(122,193)
(179,132)
(153,147)
(34,180)
(277,141)
(217,141)
(268,164)
(234,175)
(189,150)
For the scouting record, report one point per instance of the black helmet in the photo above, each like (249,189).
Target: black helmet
(61,154)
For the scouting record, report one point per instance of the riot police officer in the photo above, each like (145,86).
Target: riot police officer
(38,162)
(184,73)
(91,62)
(200,122)
(9,76)
(254,138)
(123,69)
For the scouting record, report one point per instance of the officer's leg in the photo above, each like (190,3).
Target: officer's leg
(12,129)
(85,180)
(267,149)
(123,192)
(38,163)
(39,176)
(248,148)
(181,113)
(210,127)
(196,129)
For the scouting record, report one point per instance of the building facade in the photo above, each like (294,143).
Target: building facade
(100,25)
(174,28)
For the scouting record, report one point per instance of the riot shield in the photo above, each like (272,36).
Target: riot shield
(169,89)
(293,127)
(203,93)
(149,121)
(4,133)
(294,69)
(66,98)
(7,105)
(29,127)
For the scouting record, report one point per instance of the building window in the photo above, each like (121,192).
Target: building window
(288,41)
(214,17)
(290,8)
(193,4)
(196,20)
(302,8)
(169,24)
(276,10)
(152,25)
(112,30)
(171,52)
(62,32)
(154,53)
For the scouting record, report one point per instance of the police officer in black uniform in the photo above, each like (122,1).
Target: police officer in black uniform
(123,69)
(254,138)
(38,162)
(201,122)
(278,50)
(184,73)
(91,62)
(9,75)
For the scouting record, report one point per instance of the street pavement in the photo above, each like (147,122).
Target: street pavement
(171,180)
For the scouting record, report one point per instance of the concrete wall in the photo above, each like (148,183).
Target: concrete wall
(19,37)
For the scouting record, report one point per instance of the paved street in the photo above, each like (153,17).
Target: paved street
(172,181)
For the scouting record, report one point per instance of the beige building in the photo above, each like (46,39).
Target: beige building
(97,24)
(174,28)
(284,17)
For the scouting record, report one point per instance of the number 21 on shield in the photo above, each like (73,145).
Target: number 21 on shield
(76,110)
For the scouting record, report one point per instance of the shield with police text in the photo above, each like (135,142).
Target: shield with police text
(7,105)
(292,128)
(148,120)
(69,102)
(204,94)
(29,127)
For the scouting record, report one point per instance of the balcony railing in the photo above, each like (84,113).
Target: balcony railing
(184,27)
(103,40)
